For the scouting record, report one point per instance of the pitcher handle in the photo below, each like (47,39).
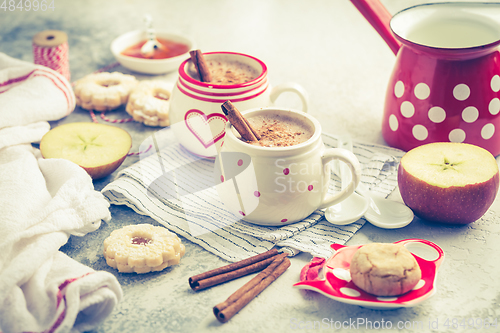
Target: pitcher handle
(352,162)
(290,87)
(379,17)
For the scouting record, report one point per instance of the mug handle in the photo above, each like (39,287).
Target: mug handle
(352,162)
(291,87)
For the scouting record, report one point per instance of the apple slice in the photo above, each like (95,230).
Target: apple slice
(448,182)
(99,149)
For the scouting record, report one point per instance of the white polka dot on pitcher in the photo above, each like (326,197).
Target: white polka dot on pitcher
(494,106)
(487,131)
(457,135)
(422,91)
(437,114)
(399,89)
(393,122)
(461,92)
(420,132)
(470,114)
(407,109)
(495,83)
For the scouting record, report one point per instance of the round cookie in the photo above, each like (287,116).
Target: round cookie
(149,103)
(384,269)
(103,91)
(142,248)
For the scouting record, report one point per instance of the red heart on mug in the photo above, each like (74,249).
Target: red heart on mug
(207,129)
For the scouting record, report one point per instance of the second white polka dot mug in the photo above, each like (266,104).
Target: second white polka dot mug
(279,185)
(445,86)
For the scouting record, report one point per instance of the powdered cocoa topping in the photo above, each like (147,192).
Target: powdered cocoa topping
(228,72)
(279,131)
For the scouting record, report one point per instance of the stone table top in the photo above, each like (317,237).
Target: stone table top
(328,48)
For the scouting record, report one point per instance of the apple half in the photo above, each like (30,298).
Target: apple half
(448,182)
(99,149)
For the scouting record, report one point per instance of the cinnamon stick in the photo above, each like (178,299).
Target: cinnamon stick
(201,65)
(239,122)
(239,299)
(257,135)
(232,271)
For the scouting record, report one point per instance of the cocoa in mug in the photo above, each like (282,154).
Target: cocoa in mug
(226,72)
(278,130)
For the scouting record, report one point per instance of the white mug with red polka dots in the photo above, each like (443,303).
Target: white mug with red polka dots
(279,185)
(195,107)
(445,85)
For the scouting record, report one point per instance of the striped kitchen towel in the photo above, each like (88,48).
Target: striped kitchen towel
(177,189)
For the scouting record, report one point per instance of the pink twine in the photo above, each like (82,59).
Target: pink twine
(114,121)
(140,152)
(94,119)
(106,68)
(92,115)
(55,58)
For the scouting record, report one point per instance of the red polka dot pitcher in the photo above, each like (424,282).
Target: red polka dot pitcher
(446,81)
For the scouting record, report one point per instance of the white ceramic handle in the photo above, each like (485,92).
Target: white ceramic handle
(352,162)
(291,87)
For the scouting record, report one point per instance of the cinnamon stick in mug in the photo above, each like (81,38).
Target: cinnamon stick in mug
(239,299)
(232,271)
(201,65)
(239,122)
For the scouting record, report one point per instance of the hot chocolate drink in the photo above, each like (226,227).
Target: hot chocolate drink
(280,130)
(228,72)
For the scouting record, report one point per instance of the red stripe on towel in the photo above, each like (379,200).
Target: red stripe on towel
(17,79)
(60,84)
(65,88)
(62,297)
(68,102)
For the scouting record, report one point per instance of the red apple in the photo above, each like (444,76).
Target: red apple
(448,182)
(99,149)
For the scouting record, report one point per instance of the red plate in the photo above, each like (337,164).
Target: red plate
(337,283)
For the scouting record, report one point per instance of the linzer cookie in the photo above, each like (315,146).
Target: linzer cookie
(142,248)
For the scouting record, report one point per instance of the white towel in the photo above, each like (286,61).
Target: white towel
(42,203)
(31,93)
(177,189)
